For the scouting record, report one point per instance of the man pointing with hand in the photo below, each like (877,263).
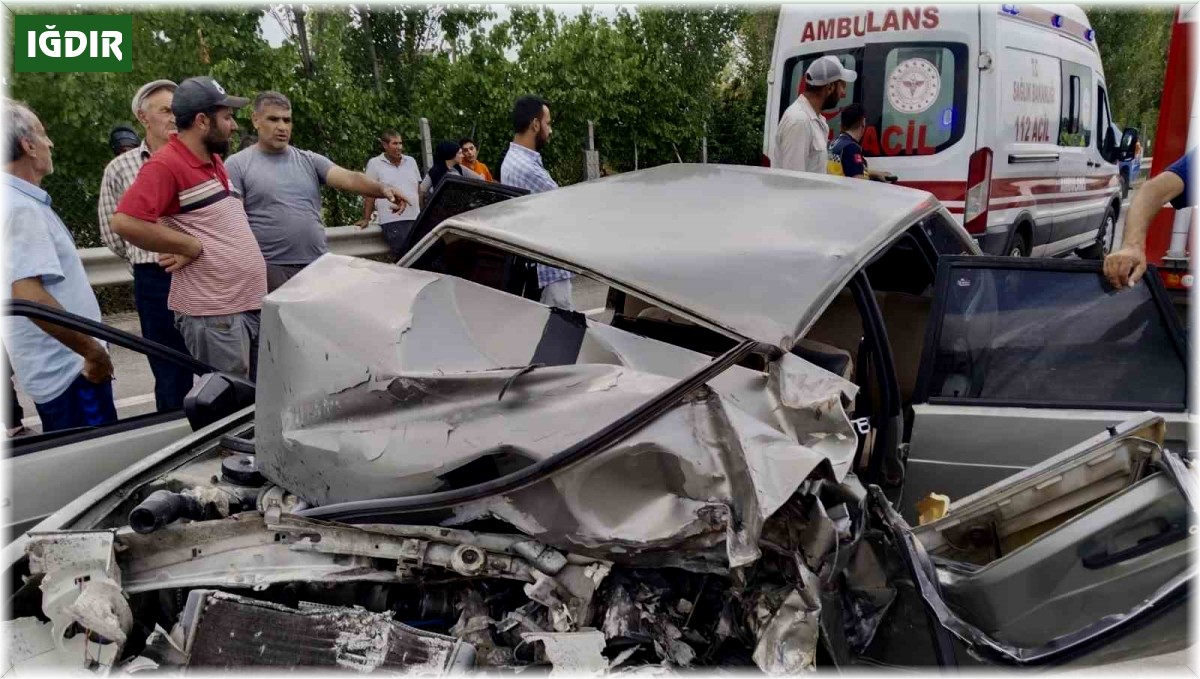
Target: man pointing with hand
(280,187)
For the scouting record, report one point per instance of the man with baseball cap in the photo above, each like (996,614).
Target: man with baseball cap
(180,206)
(122,138)
(151,107)
(802,139)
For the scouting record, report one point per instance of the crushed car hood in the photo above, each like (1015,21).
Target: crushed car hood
(422,382)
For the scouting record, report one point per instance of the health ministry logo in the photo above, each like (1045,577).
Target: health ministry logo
(73,43)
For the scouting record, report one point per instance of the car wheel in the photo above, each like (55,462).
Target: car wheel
(1108,231)
(1019,247)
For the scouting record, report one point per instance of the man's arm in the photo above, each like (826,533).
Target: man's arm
(233,168)
(1124,268)
(356,182)
(368,210)
(97,366)
(104,211)
(177,249)
(368,203)
(791,145)
(852,163)
(151,196)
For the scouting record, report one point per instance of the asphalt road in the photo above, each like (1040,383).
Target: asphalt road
(134,386)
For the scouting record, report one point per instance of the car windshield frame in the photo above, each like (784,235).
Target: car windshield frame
(870,61)
(1158,293)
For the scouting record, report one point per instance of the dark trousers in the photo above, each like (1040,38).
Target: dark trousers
(151,285)
(278,274)
(83,404)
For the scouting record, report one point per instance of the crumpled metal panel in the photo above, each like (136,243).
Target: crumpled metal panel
(384,395)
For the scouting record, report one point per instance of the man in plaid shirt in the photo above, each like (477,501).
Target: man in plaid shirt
(522,167)
(151,283)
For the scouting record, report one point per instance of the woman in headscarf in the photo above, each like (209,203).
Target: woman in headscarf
(447,157)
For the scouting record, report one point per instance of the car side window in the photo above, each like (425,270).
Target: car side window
(1052,335)
(943,236)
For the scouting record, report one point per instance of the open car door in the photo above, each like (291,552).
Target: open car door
(1024,358)
(49,470)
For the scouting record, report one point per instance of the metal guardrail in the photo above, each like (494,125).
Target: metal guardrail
(104,268)
(1144,167)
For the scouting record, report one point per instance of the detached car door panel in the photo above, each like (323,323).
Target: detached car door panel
(1026,358)
(1085,538)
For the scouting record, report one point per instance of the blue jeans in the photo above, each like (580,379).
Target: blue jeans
(151,285)
(83,404)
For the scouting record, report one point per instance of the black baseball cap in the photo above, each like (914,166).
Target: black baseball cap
(200,94)
(123,135)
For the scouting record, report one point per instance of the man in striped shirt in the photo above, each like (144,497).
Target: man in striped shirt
(522,167)
(151,284)
(180,206)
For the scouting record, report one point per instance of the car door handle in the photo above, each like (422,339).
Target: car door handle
(1170,533)
(1032,157)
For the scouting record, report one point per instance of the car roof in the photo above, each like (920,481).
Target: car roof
(754,251)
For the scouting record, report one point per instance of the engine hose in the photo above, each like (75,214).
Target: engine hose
(162,508)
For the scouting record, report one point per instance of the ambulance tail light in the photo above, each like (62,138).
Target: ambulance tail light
(979,184)
(764,160)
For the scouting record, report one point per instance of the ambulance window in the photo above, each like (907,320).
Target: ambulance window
(1104,125)
(914,94)
(1075,129)
(919,87)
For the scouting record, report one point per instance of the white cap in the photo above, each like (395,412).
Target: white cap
(148,89)
(827,70)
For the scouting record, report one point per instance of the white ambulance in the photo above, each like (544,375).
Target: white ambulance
(1001,111)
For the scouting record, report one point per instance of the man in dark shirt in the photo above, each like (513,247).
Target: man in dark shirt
(845,154)
(1124,267)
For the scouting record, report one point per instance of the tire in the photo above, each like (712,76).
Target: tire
(1107,234)
(1019,247)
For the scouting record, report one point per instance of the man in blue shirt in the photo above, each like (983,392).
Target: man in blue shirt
(522,167)
(845,154)
(67,374)
(1124,267)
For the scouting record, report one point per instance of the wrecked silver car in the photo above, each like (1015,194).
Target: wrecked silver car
(711,470)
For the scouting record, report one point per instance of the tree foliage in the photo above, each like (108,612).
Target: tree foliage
(1133,46)
(654,78)
(654,81)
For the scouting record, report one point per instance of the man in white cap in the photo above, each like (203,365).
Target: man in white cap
(802,138)
(151,283)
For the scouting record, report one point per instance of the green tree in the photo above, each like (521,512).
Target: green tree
(657,78)
(1133,47)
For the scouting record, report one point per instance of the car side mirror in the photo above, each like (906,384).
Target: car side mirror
(215,396)
(1129,141)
